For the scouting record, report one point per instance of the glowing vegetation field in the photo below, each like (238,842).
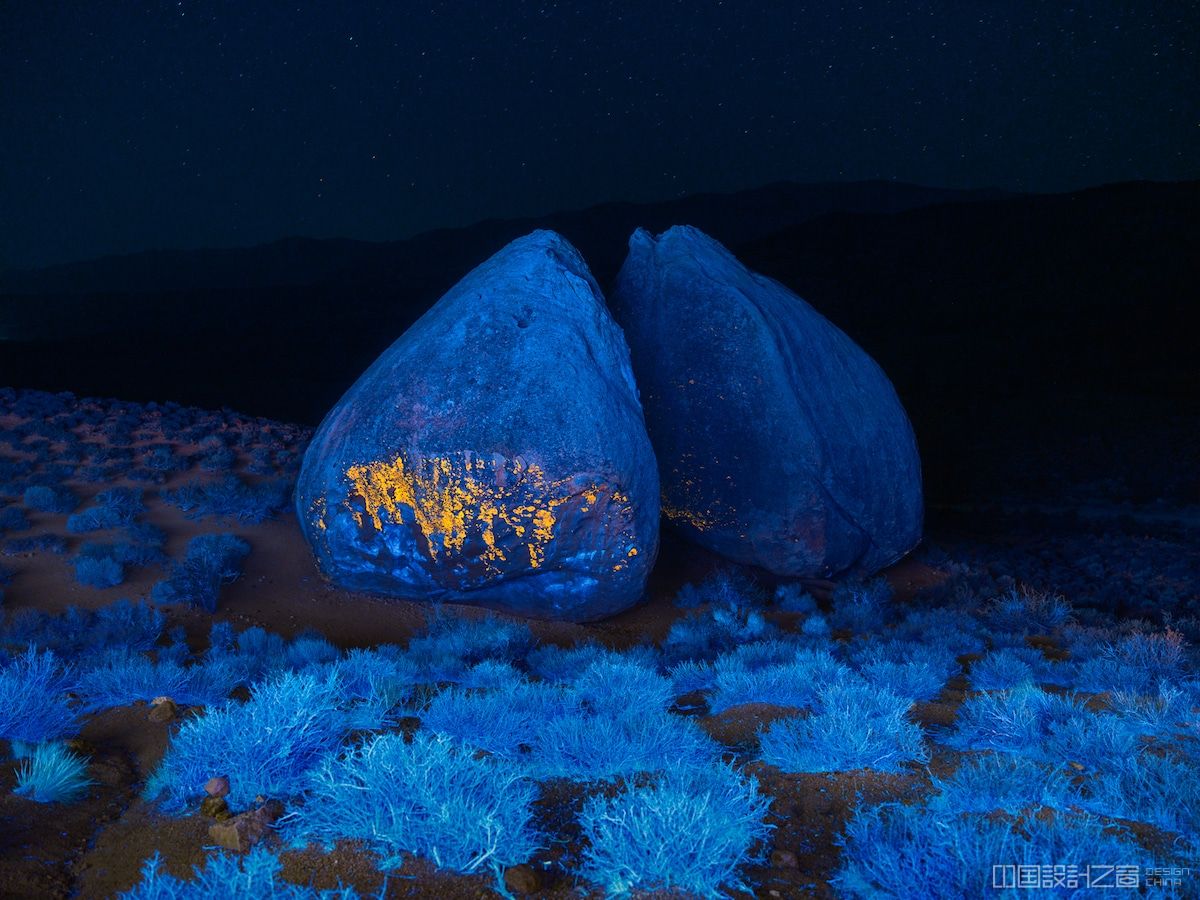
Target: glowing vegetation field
(187,709)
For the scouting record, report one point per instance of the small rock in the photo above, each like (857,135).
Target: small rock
(784,859)
(163,710)
(244,831)
(215,808)
(217,786)
(522,879)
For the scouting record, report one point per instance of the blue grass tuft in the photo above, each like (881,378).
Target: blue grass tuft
(725,587)
(231,498)
(862,608)
(429,797)
(265,745)
(38,543)
(228,876)
(796,683)
(122,678)
(98,571)
(32,705)
(1148,787)
(889,849)
(1028,612)
(715,630)
(454,642)
(212,560)
(856,726)
(113,508)
(688,831)
(51,499)
(1136,663)
(794,598)
(13,518)
(988,782)
(52,774)
(506,722)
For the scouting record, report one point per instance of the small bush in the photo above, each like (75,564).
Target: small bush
(862,608)
(98,572)
(794,598)
(212,560)
(452,643)
(32,706)
(1136,663)
(797,683)
(1001,670)
(715,630)
(228,876)
(688,831)
(13,518)
(998,781)
(52,774)
(856,726)
(1147,787)
(429,798)
(725,587)
(506,722)
(1028,612)
(265,745)
(121,678)
(113,508)
(50,499)
(889,849)
(41,543)
(231,498)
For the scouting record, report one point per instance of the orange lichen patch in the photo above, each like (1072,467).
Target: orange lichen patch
(454,499)
(318,512)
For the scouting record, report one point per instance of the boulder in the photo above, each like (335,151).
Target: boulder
(496,454)
(780,442)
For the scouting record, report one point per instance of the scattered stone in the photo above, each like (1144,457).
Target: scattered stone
(163,709)
(243,831)
(784,859)
(496,454)
(215,808)
(522,879)
(780,442)
(217,786)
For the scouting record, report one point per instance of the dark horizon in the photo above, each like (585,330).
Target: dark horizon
(196,126)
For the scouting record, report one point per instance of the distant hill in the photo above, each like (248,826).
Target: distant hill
(999,317)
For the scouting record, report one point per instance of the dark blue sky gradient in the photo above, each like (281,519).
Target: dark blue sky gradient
(128,126)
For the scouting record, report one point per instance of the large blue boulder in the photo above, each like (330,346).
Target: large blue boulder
(496,454)
(780,442)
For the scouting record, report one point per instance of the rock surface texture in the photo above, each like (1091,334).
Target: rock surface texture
(780,442)
(495,454)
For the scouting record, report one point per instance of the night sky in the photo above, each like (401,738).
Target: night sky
(128,126)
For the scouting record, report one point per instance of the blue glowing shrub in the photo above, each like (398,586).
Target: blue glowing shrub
(889,849)
(563,665)
(32,703)
(13,518)
(797,683)
(218,459)
(113,508)
(916,679)
(453,642)
(490,674)
(688,831)
(52,774)
(1028,721)
(707,633)
(429,798)
(608,686)
(856,726)
(309,650)
(228,876)
(725,587)
(56,499)
(506,722)
(950,630)
(211,560)
(231,498)
(121,678)
(265,745)
(1028,612)
(815,625)
(593,748)
(1163,714)
(794,598)
(381,673)
(987,782)
(1135,663)
(1149,787)
(98,571)
(162,458)
(862,607)
(1001,670)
